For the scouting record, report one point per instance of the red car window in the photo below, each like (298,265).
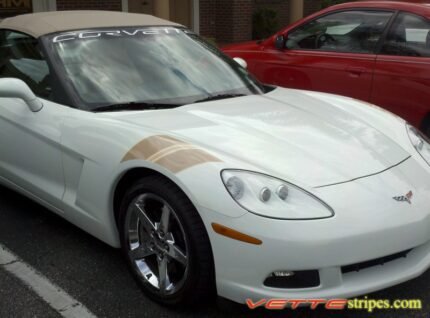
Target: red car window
(355,31)
(409,36)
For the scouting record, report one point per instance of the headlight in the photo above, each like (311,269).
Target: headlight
(420,142)
(271,197)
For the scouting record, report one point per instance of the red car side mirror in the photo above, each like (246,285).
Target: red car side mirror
(280,42)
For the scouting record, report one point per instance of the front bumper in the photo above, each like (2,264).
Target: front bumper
(368,224)
(334,284)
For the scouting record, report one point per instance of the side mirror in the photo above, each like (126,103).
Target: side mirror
(16,88)
(280,42)
(241,62)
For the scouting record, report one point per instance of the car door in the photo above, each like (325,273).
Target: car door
(402,70)
(30,156)
(333,53)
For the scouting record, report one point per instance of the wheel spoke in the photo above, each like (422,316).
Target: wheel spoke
(145,221)
(141,252)
(163,275)
(157,243)
(175,253)
(165,218)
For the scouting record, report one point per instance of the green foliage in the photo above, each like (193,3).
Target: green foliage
(328,3)
(265,22)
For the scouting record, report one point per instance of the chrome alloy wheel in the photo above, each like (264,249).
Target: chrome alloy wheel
(157,244)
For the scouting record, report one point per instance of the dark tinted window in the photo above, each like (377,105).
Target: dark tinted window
(20,57)
(409,36)
(347,31)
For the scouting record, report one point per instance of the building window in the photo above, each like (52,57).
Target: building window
(11,8)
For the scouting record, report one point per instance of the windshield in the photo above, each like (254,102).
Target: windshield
(146,65)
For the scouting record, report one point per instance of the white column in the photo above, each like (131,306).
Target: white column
(296,10)
(124,5)
(196,16)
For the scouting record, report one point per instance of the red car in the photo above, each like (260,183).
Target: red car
(376,51)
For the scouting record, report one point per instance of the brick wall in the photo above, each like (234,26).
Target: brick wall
(280,6)
(114,5)
(208,24)
(311,6)
(231,20)
(241,27)
(224,20)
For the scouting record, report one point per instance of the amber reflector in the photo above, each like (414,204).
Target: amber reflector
(235,235)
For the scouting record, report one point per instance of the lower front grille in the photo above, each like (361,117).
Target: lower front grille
(374,262)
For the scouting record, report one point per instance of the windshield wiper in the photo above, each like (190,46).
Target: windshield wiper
(133,106)
(217,97)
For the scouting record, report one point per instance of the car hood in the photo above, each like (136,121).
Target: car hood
(295,135)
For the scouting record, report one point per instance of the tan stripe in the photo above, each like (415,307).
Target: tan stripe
(185,158)
(173,154)
(149,146)
(167,151)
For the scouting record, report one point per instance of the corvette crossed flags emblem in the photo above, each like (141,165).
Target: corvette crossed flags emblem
(405,198)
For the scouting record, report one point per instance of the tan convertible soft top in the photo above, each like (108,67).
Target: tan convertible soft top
(38,24)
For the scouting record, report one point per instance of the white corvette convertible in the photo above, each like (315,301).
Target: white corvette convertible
(150,139)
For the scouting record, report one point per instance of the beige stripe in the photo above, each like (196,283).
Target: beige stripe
(173,154)
(149,146)
(184,159)
(168,150)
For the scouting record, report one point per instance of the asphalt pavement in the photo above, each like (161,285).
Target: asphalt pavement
(96,275)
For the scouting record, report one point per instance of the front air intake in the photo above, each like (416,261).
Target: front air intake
(374,262)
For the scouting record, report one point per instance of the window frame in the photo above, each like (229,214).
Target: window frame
(378,46)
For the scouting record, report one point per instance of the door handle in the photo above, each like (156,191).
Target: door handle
(355,71)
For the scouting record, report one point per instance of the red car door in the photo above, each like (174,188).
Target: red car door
(333,53)
(402,70)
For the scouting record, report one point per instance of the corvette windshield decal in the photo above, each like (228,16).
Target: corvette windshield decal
(91,34)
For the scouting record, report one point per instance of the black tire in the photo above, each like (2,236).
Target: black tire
(199,284)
